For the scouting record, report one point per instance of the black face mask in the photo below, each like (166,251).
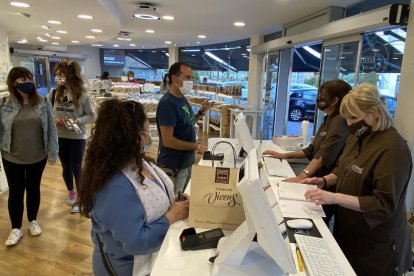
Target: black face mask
(323,103)
(25,87)
(360,129)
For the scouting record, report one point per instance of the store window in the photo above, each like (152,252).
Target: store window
(221,68)
(380,63)
(147,64)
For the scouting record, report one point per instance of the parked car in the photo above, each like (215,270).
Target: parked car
(302,102)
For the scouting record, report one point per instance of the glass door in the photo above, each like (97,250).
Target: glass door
(271,61)
(340,60)
(40,66)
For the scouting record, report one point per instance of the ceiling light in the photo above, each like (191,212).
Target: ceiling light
(201,36)
(116,45)
(55,37)
(154,51)
(239,24)
(90,36)
(75,41)
(123,39)
(62,32)
(168,17)
(85,16)
(55,43)
(188,44)
(45,27)
(54,22)
(167,54)
(132,45)
(46,34)
(21,42)
(20,4)
(193,55)
(198,42)
(150,31)
(146,12)
(96,30)
(39,38)
(97,45)
(167,42)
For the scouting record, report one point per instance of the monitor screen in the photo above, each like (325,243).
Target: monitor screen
(263,215)
(242,133)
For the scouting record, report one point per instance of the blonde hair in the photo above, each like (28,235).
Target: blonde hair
(365,99)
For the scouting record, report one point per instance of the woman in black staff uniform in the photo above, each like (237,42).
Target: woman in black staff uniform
(330,139)
(371,184)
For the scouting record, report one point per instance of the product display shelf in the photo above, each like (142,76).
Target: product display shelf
(203,92)
(220,97)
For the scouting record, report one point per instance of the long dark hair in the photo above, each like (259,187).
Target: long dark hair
(74,81)
(17,73)
(114,143)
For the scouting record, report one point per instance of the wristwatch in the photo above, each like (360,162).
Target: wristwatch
(307,172)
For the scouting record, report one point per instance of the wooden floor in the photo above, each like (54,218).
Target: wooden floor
(64,247)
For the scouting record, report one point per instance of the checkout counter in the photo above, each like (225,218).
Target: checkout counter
(172,260)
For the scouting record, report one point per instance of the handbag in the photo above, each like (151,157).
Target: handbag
(215,201)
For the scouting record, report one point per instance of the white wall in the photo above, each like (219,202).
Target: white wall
(404,116)
(92,64)
(5,63)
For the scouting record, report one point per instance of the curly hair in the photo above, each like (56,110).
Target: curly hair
(74,82)
(114,144)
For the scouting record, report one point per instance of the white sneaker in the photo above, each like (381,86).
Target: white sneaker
(71,197)
(34,228)
(75,209)
(14,237)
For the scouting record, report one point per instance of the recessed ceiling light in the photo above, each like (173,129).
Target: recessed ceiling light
(85,16)
(146,12)
(188,44)
(198,42)
(154,51)
(167,42)
(123,39)
(132,45)
(154,46)
(75,41)
(21,42)
(193,55)
(62,32)
(116,45)
(96,30)
(150,31)
(39,38)
(239,24)
(46,34)
(55,43)
(97,45)
(201,36)
(45,27)
(20,4)
(54,22)
(55,37)
(168,17)
(90,36)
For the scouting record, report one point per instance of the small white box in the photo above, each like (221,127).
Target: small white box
(290,143)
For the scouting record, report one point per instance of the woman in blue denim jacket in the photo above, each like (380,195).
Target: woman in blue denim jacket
(28,139)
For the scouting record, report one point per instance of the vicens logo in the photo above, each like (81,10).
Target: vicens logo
(357,169)
(361,131)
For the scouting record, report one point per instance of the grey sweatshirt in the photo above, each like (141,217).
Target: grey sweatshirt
(67,110)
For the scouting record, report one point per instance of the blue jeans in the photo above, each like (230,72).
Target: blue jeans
(180,178)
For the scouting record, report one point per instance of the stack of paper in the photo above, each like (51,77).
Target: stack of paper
(293,203)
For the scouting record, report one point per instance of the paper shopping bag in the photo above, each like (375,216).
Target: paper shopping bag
(214,198)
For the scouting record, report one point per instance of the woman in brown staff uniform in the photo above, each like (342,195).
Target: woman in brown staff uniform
(330,139)
(371,184)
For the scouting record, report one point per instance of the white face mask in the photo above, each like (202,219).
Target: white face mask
(147,147)
(186,88)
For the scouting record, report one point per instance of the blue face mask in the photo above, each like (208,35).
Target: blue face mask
(25,87)
(146,147)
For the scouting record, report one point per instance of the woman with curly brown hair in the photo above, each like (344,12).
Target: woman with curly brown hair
(73,110)
(129,199)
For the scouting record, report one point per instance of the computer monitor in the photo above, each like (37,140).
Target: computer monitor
(272,255)
(242,133)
